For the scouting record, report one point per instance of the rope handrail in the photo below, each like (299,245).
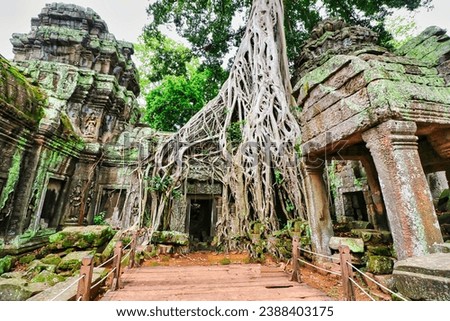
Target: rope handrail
(377,283)
(318,254)
(320,268)
(123,258)
(361,288)
(67,288)
(107,261)
(103,279)
(125,247)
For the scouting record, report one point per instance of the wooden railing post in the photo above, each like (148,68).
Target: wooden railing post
(347,272)
(133,250)
(84,285)
(295,266)
(115,285)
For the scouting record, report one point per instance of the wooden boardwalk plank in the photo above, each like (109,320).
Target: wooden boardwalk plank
(246,282)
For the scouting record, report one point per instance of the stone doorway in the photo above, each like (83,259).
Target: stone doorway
(201,219)
(355,206)
(51,203)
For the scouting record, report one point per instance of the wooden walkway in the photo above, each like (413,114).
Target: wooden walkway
(240,282)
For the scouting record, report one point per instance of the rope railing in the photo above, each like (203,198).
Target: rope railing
(320,268)
(68,287)
(317,254)
(362,289)
(86,271)
(376,282)
(348,281)
(106,262)
(103,279)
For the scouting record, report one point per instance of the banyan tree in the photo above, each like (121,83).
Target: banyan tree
(247,137)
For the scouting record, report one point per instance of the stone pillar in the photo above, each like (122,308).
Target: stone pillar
(411,214)
(318,208)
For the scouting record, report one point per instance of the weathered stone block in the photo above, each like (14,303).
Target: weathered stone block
(48,278)
(356,245)
(53,259)
(13,290)
(37,266)
(26,259)
(373,236)
(81,237)
(5,264)
(72,261)
(424,277)
(170,237)
(380,264)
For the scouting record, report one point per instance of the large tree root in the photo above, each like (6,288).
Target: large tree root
(247,136)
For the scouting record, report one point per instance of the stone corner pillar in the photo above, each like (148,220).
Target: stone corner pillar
(318,207)
(409,205)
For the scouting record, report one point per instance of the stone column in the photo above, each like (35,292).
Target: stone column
(318,208)
(407,198)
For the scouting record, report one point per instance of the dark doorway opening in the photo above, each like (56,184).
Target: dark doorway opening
(355,206)
(52,202)
(200,217)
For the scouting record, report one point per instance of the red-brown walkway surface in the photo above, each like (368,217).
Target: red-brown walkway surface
(240,282)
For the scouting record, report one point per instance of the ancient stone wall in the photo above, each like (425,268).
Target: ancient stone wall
(68,114)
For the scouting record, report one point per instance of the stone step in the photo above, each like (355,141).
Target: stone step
(424,278)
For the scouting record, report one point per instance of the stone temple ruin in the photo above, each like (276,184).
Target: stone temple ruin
(69,122)
(375,132)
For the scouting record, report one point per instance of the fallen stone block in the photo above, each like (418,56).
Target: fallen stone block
(424,278)
(356,245)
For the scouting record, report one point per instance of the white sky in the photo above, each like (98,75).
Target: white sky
(126,18)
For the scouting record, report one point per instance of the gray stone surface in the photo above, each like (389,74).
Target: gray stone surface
(356,245)
(55,292)
(13,290)
(424,278)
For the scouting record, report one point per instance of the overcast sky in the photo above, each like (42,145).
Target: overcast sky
(126,18)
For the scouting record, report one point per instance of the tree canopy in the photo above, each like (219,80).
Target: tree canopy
(215,27)
(174,83)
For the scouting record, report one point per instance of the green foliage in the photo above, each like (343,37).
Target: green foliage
(278,177)
(402,30)
(215,27)
(234,133)
(99,219)
(173,81)
(159,184)
(171,104)
(334,182)
(289,205)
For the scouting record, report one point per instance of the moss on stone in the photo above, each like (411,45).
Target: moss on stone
(170,237)
(26,259)
(69,265)
(53,259)
(38,266)
(380,264)
(13,177)
(48,278)
(81,237)
(6,264)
